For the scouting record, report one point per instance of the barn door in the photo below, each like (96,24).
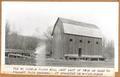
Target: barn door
(79,51)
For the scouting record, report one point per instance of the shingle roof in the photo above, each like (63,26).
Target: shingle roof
(80,28)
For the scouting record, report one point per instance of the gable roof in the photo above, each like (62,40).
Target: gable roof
(79,28)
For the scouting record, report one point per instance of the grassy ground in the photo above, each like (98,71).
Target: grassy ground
(20,61)
(78,63)
(54,62)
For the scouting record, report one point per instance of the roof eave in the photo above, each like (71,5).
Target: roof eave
(54,26)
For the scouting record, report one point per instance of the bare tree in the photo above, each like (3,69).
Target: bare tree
(7,30)
(108,48)
(48,36)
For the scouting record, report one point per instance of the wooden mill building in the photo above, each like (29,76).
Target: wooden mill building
(78,39)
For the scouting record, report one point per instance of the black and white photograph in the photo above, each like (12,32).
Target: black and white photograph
(60,34)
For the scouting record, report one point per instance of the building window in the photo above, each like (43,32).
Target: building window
(71,40)
(88,41)
(96,42)
(80,41)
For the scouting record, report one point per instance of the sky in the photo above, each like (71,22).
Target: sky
(33,18)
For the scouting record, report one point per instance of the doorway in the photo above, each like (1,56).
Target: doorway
(79,51)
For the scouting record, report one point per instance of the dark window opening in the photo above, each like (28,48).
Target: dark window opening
(96,42)
(80,41)
(50,52)
(88,41)
(79,52)
(71,40)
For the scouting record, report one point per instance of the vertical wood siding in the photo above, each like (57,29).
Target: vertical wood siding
(57,46)
(72,47)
